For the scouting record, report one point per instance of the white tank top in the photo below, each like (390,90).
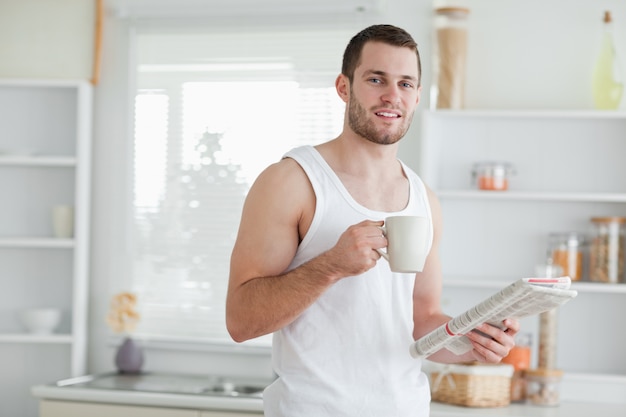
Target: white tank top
(348,353)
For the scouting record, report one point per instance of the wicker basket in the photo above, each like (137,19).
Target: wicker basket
(472,385)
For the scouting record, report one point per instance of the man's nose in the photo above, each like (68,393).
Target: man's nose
(391,95)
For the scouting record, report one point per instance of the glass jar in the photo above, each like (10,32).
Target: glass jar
(548,270)
(492,176)
(566,250)
(449,58)
(543,386)
(606,255)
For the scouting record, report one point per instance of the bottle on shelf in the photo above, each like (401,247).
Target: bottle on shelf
(608,81)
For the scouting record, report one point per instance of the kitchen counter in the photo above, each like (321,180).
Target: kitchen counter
(159,390)
(149,399)
(566,409)
(188,398)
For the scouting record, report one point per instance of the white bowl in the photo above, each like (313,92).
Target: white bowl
(40,320)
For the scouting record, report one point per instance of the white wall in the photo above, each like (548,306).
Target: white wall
(47,38)
(537,54)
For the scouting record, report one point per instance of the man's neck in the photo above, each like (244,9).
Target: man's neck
(359,157)
(370,172)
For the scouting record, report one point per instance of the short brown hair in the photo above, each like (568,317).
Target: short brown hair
(388,34)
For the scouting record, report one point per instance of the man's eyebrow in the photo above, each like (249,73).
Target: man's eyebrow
(385,74)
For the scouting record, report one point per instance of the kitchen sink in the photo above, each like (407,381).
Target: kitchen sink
(170,384)
(228,388)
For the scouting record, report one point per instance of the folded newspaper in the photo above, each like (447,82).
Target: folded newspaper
(524,297)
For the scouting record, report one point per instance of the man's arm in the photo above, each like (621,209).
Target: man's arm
(262,297)
(490,347)
(427,313)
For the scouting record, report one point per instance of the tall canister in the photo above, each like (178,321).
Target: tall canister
(449,57)
(606,254)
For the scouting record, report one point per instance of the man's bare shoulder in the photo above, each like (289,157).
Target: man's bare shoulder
(283,174)
(283,193)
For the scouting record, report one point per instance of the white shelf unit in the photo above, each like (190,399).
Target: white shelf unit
(570,166)
(45,160)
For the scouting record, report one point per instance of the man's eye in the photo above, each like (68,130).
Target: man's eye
(375,80)
(407,85)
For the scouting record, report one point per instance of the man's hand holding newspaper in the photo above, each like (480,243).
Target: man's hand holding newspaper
(524,297)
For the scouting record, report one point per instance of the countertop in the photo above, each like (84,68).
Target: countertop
(151,399)
(85,393)
(566,409)
(158,390)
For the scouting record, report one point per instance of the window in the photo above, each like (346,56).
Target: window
(211,112)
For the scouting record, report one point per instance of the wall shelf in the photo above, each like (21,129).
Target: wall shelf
(37,243)
(34,161)
(590,197)
(533,114)
(45,161)
(569,168)
(35,338)
(494,285)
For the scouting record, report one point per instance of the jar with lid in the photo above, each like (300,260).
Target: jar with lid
(606,255)
(492,176)
(567,251)
(449,58)
(543,386)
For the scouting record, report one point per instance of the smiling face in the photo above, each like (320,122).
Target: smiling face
(382,98)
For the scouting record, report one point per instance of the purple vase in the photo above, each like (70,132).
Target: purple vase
(129,357)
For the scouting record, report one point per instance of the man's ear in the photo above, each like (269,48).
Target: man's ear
(342,85)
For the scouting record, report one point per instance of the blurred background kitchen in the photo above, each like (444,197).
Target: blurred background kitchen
(132,129)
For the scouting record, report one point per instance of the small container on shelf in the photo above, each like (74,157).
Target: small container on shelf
(543,386)
(606,255)
(519,357)
(40,321)
(567,251)
(492,176)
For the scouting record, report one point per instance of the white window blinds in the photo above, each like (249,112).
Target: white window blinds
(212,111)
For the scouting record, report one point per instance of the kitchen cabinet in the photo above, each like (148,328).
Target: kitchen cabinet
(569,166)
(45,138)
(52,408)
(60,408)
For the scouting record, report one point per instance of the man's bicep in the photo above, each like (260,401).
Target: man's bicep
(268,234)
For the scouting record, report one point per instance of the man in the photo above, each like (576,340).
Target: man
(305,264)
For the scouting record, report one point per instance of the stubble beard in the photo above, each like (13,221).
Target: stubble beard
(362,126)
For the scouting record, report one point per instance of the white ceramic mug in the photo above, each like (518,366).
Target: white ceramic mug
(407,238)
(63,221)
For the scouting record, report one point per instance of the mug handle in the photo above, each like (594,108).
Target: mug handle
(380,251)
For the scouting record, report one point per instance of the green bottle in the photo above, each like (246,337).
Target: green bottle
(608,84)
